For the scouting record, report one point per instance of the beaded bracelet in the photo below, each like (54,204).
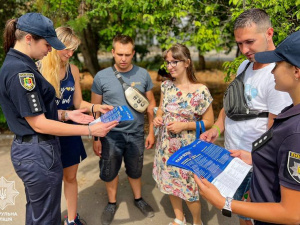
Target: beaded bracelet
(92,111)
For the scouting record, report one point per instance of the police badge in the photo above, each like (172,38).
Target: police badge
(27,81)
(293,165)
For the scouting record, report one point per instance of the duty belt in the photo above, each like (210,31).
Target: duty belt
(29,138)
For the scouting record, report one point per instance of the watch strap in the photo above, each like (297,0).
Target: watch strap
(228,203)
(226,211)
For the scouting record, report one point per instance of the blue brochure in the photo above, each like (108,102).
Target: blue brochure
(203,158)
(118,113)
(213,163)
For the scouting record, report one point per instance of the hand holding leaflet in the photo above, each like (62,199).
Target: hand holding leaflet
(213,163)
(119,113)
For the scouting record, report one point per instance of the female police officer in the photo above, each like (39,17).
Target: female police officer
(28,103)
(275,185)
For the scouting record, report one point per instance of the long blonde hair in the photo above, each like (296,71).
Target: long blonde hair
(50,65)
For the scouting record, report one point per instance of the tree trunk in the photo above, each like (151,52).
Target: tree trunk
(89,50)
(201,62)
(202,65)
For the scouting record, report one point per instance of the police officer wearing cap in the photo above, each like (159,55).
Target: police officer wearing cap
(28,103)
(275,184)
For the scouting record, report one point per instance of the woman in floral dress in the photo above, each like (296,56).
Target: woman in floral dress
(183,102)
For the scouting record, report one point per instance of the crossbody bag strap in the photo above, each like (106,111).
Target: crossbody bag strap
(118,75)
(242,74)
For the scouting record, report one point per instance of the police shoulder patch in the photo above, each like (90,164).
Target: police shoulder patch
(27,81)
(293,165)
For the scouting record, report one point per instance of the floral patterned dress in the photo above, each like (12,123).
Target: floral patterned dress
(184,107)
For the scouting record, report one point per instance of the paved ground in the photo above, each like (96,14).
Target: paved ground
(93,198)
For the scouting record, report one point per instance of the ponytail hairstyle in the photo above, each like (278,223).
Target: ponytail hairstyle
(50,65)
(12,34)
(9,36)
(181,52)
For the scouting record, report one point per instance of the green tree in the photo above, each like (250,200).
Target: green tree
(195,23)
(10,9)
(205,24)
(97,22)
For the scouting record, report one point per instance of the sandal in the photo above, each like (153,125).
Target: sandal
(179,222)
(198,224)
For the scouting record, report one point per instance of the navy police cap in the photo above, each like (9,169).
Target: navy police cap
(36,23)
(288,50)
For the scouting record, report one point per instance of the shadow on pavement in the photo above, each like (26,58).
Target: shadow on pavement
(92,197)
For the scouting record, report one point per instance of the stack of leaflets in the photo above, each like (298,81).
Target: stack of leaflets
(213,163)
(118,113)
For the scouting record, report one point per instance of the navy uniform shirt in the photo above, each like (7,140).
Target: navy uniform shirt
(24,92)
(276,158)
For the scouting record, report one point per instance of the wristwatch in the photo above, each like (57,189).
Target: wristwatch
(226,211)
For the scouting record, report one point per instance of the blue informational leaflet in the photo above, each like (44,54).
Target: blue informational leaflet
(212,162)
(118,113)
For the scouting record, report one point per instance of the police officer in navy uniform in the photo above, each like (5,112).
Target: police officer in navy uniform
(28,103)
(275,184)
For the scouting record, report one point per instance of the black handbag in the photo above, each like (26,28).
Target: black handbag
(234,101)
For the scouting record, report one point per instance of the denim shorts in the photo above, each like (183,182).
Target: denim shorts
(243,188)
(115,146)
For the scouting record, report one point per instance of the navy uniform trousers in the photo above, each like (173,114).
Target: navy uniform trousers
(39,166)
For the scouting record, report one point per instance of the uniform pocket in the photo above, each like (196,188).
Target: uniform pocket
(25,169)
(47,155)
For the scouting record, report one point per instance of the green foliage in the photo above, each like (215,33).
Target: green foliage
(3,124)
(79,23)
(86,95)
(60,11)
(231,67)
(142,50)
(2,118)
(10,9)
(152,64)
(284,16)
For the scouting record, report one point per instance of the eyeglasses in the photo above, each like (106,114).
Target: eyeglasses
(173,63)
